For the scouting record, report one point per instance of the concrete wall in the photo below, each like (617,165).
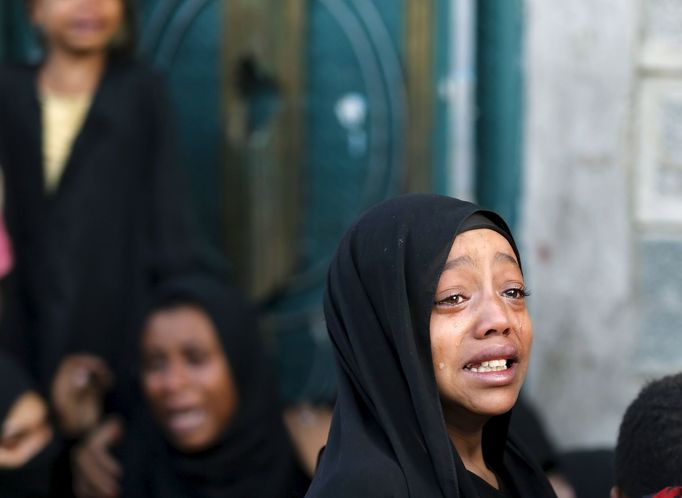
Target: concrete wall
(602,207)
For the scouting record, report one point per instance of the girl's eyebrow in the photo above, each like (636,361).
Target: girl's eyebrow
(503,257)
(461,261)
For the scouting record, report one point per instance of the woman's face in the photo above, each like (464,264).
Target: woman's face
(186,377)
(79,26)
(481,333)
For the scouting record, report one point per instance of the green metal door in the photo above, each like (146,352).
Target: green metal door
(365,79)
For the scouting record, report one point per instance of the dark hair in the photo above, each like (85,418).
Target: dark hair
(123,47)
(649,449)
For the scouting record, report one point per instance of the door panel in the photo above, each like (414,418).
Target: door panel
(182,39)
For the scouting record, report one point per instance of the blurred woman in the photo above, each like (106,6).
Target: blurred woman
(214,426)
(425,306)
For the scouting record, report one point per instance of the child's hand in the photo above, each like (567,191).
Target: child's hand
(25,431)
(96,473)
(77,391)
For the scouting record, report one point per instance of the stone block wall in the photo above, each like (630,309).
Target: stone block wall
(601,223)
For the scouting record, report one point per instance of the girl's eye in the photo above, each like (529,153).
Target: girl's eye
(453,300)
(519,293)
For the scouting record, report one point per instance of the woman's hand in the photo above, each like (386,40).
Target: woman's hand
(77,391)
(25,431)
(96,472)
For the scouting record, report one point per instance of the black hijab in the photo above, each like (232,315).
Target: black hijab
(254,457)
(388,436)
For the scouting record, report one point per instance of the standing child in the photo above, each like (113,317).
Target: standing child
(94,203)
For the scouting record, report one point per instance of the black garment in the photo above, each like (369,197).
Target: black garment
(591,472)
(32,480)
(13,383)
(388,437)
(254,458)
(526,425)
(88,254)
(485,490)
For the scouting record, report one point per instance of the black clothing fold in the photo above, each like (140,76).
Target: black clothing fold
(89,253)
(13,383)
(33,479)
(254,457)
(388,437)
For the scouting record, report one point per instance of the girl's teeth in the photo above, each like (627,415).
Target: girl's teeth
(490,366)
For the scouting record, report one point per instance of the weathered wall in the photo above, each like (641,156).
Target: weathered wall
(607,285)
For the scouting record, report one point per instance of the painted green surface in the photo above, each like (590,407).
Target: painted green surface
(354,60)
(17,39)
(182,40)
(500,106)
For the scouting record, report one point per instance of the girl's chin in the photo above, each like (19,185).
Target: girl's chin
(484,407)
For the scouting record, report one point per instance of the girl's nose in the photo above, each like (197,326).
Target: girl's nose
(493,318)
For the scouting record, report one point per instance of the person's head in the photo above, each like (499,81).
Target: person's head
(205,373)
(186,376)
(85,26)
(480,329)
(455,268)
(649,449)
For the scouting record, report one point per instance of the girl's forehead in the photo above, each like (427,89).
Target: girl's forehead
(480,240)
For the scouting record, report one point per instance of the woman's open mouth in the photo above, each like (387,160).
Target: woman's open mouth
(185,421)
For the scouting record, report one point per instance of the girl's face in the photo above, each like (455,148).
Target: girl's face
(79,26)
(186,377)
(481,333)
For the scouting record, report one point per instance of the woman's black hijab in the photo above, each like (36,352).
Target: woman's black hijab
(254,457)
(388,436)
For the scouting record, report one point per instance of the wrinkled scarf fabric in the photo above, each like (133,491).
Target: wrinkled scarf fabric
(254,457)
(388,437)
